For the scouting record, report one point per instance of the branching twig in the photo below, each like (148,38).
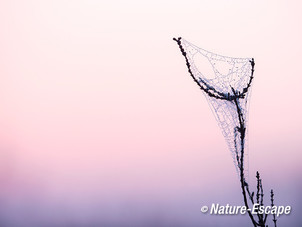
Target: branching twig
(241,129)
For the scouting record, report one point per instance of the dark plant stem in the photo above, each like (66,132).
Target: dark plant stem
(274,215)
(243,183)
(241,129)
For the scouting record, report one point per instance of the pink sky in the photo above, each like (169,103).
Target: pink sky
(101,123)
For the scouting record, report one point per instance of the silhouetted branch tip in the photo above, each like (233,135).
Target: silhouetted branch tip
(272,204)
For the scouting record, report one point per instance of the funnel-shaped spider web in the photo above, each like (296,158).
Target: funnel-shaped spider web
(226,83)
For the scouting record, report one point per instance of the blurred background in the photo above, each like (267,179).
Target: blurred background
(101,125)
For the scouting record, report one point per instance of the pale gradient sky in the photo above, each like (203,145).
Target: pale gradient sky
(101,124)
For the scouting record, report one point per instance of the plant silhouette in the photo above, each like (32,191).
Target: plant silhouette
(228,95)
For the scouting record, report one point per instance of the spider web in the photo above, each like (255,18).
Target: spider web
(226,84)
